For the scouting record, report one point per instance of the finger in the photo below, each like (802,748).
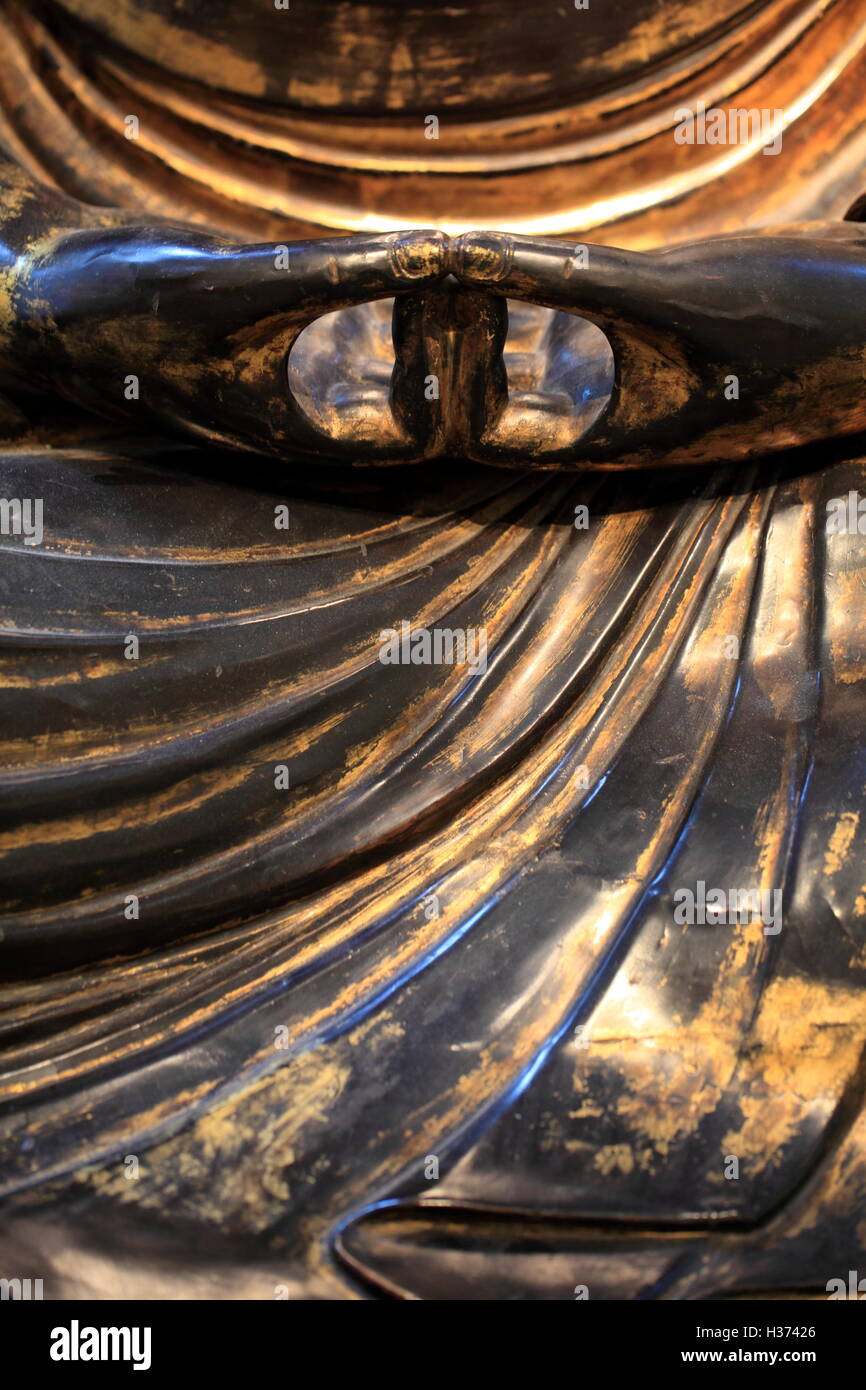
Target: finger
(600,280)
(316,277)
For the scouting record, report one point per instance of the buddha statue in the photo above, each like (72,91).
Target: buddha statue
(432,650)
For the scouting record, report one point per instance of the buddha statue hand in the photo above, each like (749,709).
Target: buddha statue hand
(183,331)
(724,349)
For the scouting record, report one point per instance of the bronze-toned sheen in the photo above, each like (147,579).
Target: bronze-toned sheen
(274,123)
(361,978)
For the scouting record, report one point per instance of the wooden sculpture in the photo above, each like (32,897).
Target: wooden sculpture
(431,651)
